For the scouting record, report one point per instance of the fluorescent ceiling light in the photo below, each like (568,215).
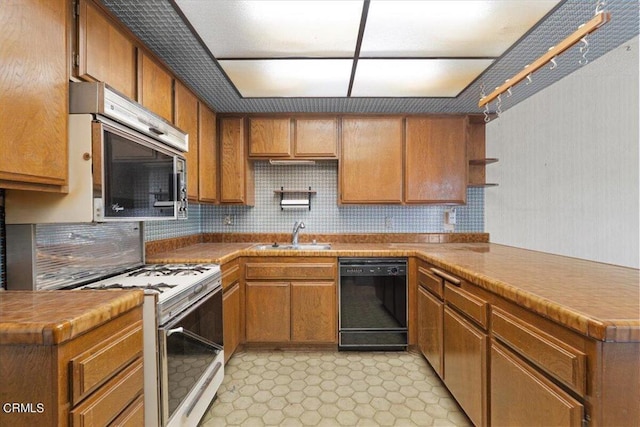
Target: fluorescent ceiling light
(307,48)
(269,29)
(290,77)
(416,77)
(452,28)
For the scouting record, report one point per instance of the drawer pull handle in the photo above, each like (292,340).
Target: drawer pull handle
(445,276)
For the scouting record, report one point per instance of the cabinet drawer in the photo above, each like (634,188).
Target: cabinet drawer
(108,402)
(290,271)
(431,282)
(133,416)
(565,363)
(520,395)
(472,306)
(230,276)
(97,365)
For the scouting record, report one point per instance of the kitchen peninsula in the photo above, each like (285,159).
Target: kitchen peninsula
(564,327)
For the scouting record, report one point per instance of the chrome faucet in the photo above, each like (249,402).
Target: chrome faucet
(296,229)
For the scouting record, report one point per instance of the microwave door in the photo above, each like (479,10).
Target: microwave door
(134,182)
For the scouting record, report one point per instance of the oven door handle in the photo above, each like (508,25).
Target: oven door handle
(196,337)
(203,388)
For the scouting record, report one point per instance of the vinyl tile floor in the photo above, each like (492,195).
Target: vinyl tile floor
(295,388)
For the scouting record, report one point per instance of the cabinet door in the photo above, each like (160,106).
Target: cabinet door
(435,160)
(236,175)
(269,137)
(105,53)
(207,155)
(371,160)
(430,330)
(316,138)
(313,312)
(34,87)
(231,320)
(155,87)
(520,396)
(268,317)
(465,366)
(186,118)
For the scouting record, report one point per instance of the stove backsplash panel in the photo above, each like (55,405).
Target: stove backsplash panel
(51,256)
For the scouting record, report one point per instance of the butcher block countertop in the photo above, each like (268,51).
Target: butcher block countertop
(54,317)
(597,300)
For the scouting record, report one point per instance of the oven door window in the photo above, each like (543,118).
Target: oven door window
(139,180)
(191,344)
(188,358)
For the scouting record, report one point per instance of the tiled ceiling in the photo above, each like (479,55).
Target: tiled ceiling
(164,27)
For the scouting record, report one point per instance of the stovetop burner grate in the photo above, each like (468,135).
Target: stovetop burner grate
(159,287)
(169,270)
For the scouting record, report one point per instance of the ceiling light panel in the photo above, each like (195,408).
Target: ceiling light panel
(452,28)
(290,77)
(415,77)
(275,29)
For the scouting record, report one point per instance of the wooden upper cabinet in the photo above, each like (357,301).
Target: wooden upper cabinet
(186,118)
(316,137)
(435,160)
(236,172)
(34,100)
(293,137)
(269,137)
(207,155)
(155,87)
(371,160)
(105,52)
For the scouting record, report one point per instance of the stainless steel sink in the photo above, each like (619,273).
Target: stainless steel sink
(299,247)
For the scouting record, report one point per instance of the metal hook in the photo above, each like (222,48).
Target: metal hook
(509,93)
(599,6)
(499,105)
(584,49)
(486,113)
(529,81)
(554,64)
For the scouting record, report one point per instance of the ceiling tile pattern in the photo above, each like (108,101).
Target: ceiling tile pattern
(161,28)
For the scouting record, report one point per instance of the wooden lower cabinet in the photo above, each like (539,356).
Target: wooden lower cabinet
(313,312)
(231,311)
(268,307)
(430,329)
(291,300)
(521,396)
(94,379)
(465,362)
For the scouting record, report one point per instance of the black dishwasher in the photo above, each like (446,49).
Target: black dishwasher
(373,304)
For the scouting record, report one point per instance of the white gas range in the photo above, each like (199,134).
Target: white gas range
(183,353)
(177,286)
(182,312)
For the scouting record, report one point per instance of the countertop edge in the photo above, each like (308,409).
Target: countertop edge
(68,327)
(598,329)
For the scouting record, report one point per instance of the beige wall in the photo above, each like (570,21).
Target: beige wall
(568,170)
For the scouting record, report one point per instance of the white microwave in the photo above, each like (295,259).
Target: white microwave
(129,169)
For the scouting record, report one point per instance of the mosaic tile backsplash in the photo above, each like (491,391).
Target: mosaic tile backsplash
(325,215)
